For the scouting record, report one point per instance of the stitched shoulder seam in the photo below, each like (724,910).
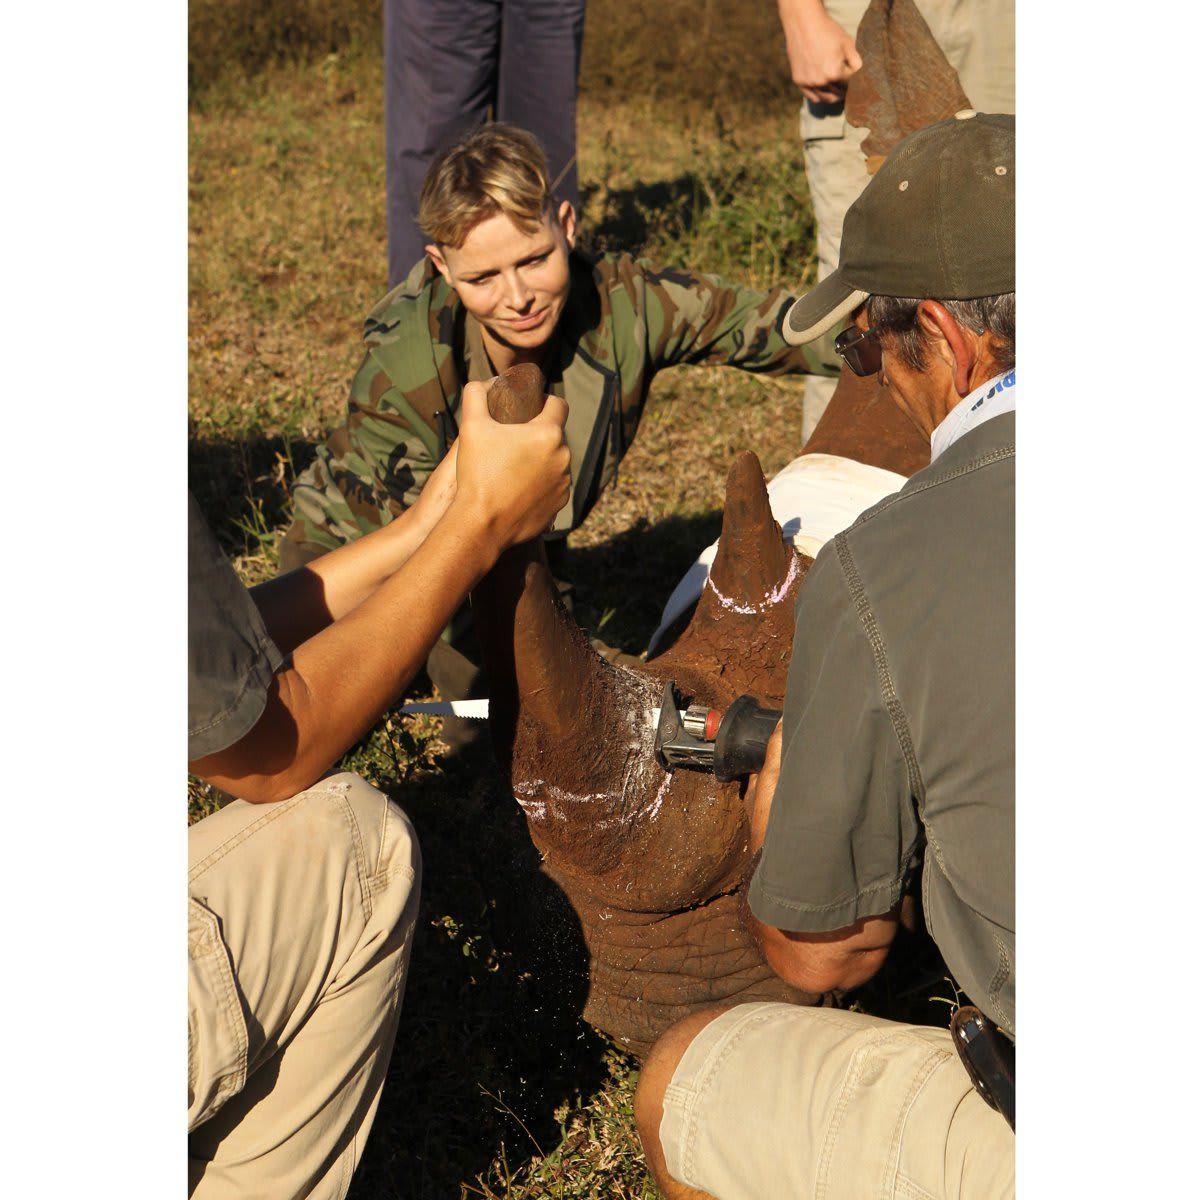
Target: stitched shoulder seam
(899,719)
(984,460)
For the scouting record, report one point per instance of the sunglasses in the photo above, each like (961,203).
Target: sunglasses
(861,349)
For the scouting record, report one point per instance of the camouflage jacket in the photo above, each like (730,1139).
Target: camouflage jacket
(624,320)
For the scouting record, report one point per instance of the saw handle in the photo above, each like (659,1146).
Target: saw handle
(742,739)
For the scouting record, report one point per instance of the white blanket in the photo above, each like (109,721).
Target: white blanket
(813,498)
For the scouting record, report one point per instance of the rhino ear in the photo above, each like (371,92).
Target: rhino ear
(752,560)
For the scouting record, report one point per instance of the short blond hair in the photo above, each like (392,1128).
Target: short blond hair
(496,168)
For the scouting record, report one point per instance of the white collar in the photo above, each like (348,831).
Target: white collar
(991,399)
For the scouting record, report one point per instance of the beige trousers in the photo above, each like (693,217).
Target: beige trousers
(300,926)
(773,1100)
(978,39)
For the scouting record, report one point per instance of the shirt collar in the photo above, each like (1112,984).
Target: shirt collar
(990,399)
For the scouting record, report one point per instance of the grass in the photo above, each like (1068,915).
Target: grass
(496,1089)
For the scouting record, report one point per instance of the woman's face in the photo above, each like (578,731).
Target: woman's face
(514,283)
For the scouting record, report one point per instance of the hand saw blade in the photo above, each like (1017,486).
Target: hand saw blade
(475,710)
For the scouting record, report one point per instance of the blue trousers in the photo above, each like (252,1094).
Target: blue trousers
(447,65)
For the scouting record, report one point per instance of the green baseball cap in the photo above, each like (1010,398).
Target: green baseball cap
(937,221)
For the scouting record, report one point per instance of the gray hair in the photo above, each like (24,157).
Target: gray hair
(996,315)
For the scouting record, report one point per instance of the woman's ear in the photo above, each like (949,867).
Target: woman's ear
(566,219)
(435,253)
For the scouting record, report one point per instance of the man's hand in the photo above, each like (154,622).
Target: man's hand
(761,790)
(820,52)
(513,477)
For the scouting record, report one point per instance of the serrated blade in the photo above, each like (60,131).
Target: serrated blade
(474,710)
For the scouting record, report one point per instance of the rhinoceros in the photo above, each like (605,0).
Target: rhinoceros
(654,863)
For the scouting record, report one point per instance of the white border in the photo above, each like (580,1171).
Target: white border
(93,831)
(1108,844)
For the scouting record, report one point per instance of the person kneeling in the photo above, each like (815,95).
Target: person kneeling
(897,732)
(302,892)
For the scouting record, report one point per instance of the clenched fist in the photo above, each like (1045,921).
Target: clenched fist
(820,52)
(515,477)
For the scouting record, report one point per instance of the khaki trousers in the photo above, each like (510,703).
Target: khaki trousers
(978,39)
(300,926)
(773,1100)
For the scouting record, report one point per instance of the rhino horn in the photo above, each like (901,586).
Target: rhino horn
(540,665)
(906,81)
(753,561)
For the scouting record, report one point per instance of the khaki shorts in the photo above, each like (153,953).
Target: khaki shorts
(300,924)
(772,1101)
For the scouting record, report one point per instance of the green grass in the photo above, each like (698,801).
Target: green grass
(496,1089)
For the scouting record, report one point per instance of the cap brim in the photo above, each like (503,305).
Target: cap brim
(818,311)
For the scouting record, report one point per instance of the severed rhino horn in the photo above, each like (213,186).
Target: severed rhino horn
(906,82)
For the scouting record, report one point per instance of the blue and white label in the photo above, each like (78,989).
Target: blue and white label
(991,399)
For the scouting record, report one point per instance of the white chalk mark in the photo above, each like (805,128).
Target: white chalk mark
(772,598)
(652,812)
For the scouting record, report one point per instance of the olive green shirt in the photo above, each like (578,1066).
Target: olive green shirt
(898,722)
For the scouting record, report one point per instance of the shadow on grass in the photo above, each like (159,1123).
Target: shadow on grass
(490,1042)
(631,216)
(621,585)
(244,487)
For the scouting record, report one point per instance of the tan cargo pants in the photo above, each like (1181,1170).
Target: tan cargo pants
(300,926)
(978,39)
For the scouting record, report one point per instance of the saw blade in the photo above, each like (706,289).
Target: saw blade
(475,710)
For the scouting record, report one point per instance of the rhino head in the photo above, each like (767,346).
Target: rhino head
(653,863)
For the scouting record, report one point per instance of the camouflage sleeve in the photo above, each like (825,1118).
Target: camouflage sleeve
(370,469)
(694,318)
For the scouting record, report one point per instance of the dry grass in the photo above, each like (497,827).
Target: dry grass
(496,1089)
(697,50)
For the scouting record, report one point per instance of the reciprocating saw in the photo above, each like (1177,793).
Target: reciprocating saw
(731,745)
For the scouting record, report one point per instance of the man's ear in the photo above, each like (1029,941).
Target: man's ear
(566,219)
(947,338)
(435,253)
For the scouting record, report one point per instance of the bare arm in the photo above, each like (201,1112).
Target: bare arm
(813,962)
(298,605)
(820,52)
(511,480)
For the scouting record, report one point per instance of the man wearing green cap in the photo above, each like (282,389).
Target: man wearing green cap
(896,738)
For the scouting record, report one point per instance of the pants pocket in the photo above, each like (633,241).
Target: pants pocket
(217,1043)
